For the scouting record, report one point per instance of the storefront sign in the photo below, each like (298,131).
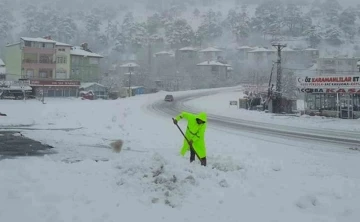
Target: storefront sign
(8,83)
(330,91)
(326,82)
(54,83)
(233,103)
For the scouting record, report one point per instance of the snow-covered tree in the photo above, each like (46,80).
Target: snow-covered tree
(210,27)
(333,35)
(6,20)
(93,23)
(331,10)
(268,17)
(239,24)
(196,13)
(347,22)
(154,23)
(292,18)
(179,34)
(313,35)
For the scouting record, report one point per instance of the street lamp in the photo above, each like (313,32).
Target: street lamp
(130,67)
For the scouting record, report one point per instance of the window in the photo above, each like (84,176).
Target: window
(30,73)
(27,44)
(61,60)
(61,50)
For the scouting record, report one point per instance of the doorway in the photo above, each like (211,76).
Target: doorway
(346,107)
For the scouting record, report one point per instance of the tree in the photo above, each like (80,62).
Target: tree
(313,35)
(6,20)
(179,34)
(93,23)
(239,24)
(331,10)
(333,35)
(292,18)
(347,22)
(210,27)
(268,17)
(154,23)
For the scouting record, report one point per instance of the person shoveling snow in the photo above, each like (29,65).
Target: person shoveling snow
(194,135)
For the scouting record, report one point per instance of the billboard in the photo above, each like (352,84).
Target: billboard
(328,82)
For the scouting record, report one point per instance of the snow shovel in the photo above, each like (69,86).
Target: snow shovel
(191,147)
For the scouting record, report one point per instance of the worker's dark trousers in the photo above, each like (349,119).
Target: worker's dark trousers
(192,158)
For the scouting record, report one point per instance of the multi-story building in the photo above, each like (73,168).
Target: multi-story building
(85,65)
(2,70)
(35,59)
(63,67)
(31,58)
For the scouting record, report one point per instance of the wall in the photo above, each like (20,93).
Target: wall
(13,56)
(62,65)
(82,70)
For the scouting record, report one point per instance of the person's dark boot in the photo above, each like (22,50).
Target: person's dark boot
(203,161)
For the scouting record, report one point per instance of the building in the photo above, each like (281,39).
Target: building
(31,58)
(212,74)
(35,59)
(100,91)
(333,90)
(85,65)
(63,59)
(210,54)
(2,70)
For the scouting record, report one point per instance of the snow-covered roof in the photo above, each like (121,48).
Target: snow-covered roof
(62,44)
(88,84)
(77,50)
(163,53)
(244,47)
(211,49)
(37,40)
(189,48)
(261,49)
(211,63)
(288,49)
(311,49)
(2,63)
(130,64)
(134,87)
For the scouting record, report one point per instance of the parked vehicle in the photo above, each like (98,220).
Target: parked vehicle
(169,98)
(88,95)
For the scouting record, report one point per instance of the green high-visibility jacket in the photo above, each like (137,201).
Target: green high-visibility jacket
(194,132)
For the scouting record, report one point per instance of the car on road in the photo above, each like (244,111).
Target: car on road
(169,98)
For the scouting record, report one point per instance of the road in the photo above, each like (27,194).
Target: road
(346,139)
(13,144)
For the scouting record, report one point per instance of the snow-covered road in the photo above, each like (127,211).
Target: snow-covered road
(247,179)
(343,133)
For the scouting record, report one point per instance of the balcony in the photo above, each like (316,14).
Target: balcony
(35,64)
(32,50)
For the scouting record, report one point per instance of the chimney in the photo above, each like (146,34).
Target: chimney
(48,37)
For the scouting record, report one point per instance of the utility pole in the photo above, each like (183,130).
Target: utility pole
(130,80)
(279,47)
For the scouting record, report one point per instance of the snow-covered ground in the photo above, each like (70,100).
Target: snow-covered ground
(247,179)
(219,104)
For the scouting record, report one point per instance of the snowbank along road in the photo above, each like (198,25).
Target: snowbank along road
(342,138)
